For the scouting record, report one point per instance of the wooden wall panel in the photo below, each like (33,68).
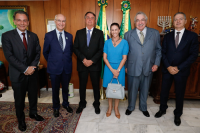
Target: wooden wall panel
(190,8)
(117,12)
(158,8)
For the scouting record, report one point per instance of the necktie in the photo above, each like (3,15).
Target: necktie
(61,40)
(88,38)
(141,37)
(177,39)
(24,41)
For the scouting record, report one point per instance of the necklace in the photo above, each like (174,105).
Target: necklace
(114,42)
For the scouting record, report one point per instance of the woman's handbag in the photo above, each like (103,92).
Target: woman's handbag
(115,91)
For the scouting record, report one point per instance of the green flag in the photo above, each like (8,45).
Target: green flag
(102,25)
(126,21)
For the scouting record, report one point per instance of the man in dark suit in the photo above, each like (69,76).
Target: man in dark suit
(57,51)
(179,51)
(22,50)
(88,47)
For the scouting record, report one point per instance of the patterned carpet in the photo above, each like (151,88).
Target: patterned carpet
(65,123)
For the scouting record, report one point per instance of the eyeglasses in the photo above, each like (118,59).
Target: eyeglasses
(143,20)
(180,19)
(19,20)
(90,18)
(58,20)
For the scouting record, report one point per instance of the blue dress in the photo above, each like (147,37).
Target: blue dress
(114,56)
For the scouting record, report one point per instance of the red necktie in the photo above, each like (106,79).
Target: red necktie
(24,41)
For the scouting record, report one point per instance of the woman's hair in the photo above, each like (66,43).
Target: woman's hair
(116,24)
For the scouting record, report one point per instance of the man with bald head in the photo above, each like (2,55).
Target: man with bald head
(58,53)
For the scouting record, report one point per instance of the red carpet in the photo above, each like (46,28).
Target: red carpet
(65,123)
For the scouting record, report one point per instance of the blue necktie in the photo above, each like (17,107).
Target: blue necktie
(88,38)
(61,40)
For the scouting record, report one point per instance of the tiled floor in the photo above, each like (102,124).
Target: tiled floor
(135,123)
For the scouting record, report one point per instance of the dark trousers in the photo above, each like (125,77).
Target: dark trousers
(64,79)
(180,85)
(20,88)
(83,78)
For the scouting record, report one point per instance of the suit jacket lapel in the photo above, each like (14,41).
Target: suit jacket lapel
(135,35)
(148,35)
(18,38)
(183,40)
(92,36)
(29,40)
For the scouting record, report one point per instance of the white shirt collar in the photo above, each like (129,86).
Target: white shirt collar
(143,31)
(58,32)
(182,31)
(90,30)
(20,32)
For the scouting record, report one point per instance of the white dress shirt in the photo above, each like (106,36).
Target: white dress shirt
(180,34)
(90,31)
(144,32)
(63,37)
(21,36)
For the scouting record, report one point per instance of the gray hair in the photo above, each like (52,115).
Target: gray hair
(59,14)
(138,13)
(180,13)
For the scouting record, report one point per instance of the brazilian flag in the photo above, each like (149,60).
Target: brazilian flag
(102,25)
(126,21)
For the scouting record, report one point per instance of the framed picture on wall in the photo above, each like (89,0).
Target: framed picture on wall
(50,24)
(6,18)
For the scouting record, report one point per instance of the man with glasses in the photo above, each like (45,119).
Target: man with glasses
(88,47)
(22,51)
(179,49)
(57,51)
(143,59)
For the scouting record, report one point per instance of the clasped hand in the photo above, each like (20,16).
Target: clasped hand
(115,73)
(30,70)
(87,63)
(173,70)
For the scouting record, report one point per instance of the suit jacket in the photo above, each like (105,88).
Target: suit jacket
(182,56)
(94,52)
(18,58)
(58,60)
(141,58)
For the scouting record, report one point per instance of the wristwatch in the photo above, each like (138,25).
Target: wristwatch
(118,70)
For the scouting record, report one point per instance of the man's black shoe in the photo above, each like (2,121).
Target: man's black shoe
(68,108)
(177,121)
(22,126)
(97,110)
(160,113)
(36,117)
(128,112)
(80,109)
(146,113)
(56,112)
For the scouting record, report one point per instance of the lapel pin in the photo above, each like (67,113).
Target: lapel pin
(66,37)
(29,35)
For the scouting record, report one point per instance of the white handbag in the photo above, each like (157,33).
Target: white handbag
(115,91)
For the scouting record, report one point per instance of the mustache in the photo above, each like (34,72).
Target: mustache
(140,24)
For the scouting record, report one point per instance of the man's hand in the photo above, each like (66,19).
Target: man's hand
(115,73)
(154,68)
(87,63)
(173,70)
(126,70)
(30,70)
